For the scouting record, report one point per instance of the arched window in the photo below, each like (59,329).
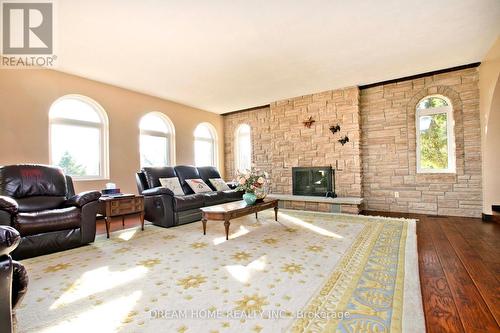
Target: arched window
(435,135)
(243,147)
(205,145)
(78,132)
(157,140)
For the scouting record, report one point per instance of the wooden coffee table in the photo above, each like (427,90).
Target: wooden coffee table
(231,210)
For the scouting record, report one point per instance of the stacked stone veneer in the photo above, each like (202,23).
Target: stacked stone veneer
(280,140)
(389,147)
(380,158)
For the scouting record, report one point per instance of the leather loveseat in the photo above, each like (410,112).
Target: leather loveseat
(13,278)
(39,202)
(165,209)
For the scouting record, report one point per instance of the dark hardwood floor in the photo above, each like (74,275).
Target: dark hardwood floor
(459,261)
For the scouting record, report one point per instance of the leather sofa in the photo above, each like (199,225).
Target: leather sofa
(165,209)
(13,278)
(39,202)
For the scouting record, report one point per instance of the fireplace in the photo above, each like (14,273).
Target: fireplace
(316,181)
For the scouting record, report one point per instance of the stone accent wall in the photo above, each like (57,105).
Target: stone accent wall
(389,147)
(280,141)
(380,158)
(319,207)
(258,119)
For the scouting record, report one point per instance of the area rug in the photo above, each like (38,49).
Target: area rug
(309,272)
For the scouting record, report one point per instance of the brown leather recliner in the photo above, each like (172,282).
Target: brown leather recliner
(39,202)
(13,278)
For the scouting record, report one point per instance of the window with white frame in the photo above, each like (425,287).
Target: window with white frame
(205,145)
(157,140)
(243,148)
(78,131)
(435,135)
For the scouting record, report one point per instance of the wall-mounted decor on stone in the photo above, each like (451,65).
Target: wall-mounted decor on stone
(335,129)
(308,122)
(343,140)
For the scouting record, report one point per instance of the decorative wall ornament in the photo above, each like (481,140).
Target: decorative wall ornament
(343,140)
(308,122)
(335,129)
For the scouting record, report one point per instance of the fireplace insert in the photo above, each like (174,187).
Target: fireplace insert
(316,181)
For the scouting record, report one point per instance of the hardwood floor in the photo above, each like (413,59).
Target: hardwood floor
(459,262)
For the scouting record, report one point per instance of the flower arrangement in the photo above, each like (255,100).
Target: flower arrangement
(252,180)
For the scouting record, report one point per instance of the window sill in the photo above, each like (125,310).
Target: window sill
(436,172)
(90,179)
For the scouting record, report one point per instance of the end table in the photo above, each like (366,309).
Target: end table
(121,206)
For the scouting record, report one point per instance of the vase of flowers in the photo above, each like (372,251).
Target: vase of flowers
(254,183)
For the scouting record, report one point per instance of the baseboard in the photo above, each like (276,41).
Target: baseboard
(490,218)
(486,217)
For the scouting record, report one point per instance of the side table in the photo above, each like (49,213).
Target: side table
(121,206)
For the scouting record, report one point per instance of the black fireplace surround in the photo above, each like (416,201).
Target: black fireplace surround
(315,181)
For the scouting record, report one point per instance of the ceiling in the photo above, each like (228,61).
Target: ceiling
(226,55)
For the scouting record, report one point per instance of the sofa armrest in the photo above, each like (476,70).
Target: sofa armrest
(157,191)
(82,199)
(19,283)
(232,185)
(8,205)
(9,239)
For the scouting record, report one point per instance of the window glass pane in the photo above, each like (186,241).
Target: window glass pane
(203,131)
(244,151)
(432,102)
(154,150)
(72,108)
(204,152)
(152,122)
(244,129)
(433,141)
(76,149)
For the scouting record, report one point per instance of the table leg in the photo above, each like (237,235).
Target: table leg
(141,216)
(226,225)
(276,213)
(256,215)
(106,221)
(204,221)
(123,221)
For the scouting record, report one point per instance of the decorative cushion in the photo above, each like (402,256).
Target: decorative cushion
(219,184)
(198,185)
(172,184)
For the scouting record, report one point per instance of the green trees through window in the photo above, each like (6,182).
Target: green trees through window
(435,141)
(71,166)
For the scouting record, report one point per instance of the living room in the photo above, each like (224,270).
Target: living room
(255,167)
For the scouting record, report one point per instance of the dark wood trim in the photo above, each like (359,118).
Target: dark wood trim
(486,217)
(495,208)
(245,110)
(418,76)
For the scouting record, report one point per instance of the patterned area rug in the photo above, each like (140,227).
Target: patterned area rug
(311,272)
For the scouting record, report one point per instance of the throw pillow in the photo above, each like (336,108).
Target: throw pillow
(172,184)
(198,185)
(219,184)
